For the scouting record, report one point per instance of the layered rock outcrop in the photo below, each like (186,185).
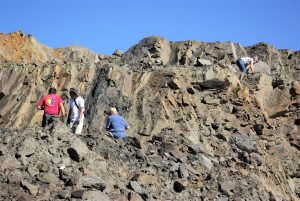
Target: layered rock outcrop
(199,128)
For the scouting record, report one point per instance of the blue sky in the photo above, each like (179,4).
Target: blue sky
(105,25)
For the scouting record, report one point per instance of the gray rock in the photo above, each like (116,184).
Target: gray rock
(77,149)
(244,143)
(228,186)
(9,162)
(93,182)
(256,158)
(64,194)
(206,162)
(204,62)
(33,171)
(134,185)
(49,178)
(33,190)
(28,147)
(261,67)
(174,166)
(183,172)
(77,193)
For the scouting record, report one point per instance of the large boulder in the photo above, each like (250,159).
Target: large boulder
(261,67)
(77,150)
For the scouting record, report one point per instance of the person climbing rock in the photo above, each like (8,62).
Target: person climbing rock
(116,124)
(76,111)
(52,105)
(246,63)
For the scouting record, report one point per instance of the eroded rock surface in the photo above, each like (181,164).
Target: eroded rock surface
(200,130)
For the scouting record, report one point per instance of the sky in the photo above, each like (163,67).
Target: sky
(105,25)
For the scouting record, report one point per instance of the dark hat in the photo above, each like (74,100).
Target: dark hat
(74,90)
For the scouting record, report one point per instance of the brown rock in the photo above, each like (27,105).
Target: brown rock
(228,186)
(95,196)
(145,179)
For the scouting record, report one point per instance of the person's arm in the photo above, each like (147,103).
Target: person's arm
(81,112)
(107,124)
(81,108)
(251,66)
(62,108)
(40,104)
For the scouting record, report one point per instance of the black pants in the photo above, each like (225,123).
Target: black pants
(49,119)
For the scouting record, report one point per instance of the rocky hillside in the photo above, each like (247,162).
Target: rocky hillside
(200,130)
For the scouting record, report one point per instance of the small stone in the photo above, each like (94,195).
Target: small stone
(174,84)
(136,187)
(244,143)
(56,160)
(77,193)
(33,190)
(33,171)
(174,167)
(95,196)
(206,162)
(183,172)
(49,178)
(178,186)
(256,158)
(204,62)
(177,153)
(259,129)
(145,179)
(227,187)
(244,172)
(93,182)
(64,194)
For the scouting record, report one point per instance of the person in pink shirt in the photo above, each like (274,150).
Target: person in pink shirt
(52,105)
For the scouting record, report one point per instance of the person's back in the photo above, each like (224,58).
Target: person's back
(116,124)
(52,105)
(247,60)
(246,63)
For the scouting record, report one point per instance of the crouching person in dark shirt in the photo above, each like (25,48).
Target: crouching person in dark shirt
(116,124)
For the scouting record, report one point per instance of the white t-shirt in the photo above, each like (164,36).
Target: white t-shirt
(247,60)
(75,112)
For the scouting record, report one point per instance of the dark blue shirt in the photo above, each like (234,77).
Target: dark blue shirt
(116,125)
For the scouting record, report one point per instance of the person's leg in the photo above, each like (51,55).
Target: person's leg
(241,65)
(73,126)
(53,119)
(119,134)
(47,120)
(44,121)
(79,127)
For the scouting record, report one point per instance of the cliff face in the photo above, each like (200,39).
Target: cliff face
(199,128)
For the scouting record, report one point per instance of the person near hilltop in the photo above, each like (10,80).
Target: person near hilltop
(116,124)
(76,111)
(52,105)
(246,63)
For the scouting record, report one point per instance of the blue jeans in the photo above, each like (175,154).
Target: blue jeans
(119,134)
(242,66)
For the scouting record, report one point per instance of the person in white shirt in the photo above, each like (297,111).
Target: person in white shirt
(246,63)
(76,112)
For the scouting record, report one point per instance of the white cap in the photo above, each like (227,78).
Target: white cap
(113,110)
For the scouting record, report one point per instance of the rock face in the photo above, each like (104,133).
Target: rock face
(199,129)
